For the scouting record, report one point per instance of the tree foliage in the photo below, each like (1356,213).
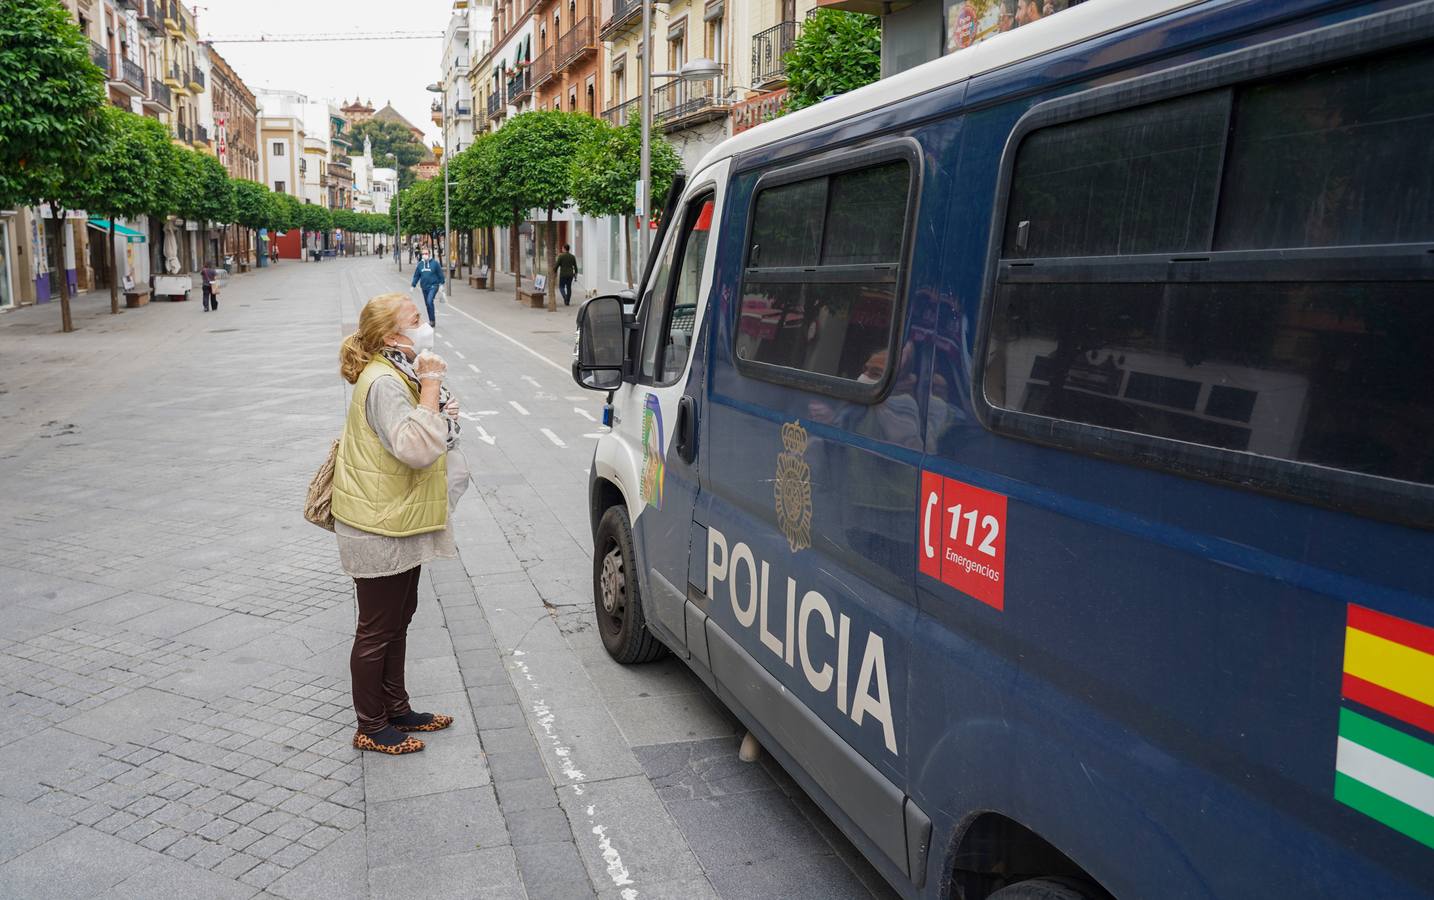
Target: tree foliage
(208,196)
(836,52)
(287,212)
(390,137)
(313,217)
(421,206)
(605,170)
(128,167)
(253,204)
(50,97)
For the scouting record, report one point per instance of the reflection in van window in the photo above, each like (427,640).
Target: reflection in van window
(835,316)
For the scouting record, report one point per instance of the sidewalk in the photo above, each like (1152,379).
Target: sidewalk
(174,638)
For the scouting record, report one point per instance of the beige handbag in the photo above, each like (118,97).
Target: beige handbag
(318,506)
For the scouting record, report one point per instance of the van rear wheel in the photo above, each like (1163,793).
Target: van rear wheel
(616,600)
(1046,889)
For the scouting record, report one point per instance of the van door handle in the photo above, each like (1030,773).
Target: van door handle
(687,429)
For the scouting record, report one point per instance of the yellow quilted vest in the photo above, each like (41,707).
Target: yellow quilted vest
(373,491)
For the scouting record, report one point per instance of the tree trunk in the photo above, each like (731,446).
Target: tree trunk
(513,258)
(114,272)
(548,265)
(627,242)
(492,250)
(66,323)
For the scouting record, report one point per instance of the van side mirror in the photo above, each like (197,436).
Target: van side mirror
(600,352)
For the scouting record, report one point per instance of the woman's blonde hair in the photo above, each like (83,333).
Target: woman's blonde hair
(377,320)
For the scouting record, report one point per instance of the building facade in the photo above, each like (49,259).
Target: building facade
(235,140)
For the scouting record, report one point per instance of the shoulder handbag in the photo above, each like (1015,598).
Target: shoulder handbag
(318,504)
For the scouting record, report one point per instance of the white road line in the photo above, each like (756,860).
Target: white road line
(596,435)
(518,406)
(476,370)
(584,413)
(473,417)
(548,433)
(457,351)
(447,344)
(531,380)
(485,437)
(517,343)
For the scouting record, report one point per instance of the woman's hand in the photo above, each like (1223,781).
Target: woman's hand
(452,409)
(430,366)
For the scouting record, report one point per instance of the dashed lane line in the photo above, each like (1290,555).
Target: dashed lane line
(459,352)
(519,407)
(584,413)
(476,370)
(531,380)
(514,341)
(548,433)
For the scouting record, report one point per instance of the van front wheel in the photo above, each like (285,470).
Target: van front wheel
(615,593)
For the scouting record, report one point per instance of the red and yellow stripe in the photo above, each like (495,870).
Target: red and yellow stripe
(1389,666)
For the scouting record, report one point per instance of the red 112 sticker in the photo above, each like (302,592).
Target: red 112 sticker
(963,538)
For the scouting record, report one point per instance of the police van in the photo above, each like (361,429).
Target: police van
(1035,451)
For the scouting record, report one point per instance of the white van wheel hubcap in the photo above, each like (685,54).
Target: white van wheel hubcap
(613,582)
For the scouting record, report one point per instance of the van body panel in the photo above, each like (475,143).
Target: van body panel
(1156,688)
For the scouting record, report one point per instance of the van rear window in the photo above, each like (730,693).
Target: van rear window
(819,294)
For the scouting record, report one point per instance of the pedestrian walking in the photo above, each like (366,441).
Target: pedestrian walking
(397,473)
(208,276)
(428,277)
(567,269)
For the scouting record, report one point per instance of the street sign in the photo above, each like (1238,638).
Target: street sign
(637,203)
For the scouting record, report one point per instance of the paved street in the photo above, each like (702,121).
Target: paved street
(174,638)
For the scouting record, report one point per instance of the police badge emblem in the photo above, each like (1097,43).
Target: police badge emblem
(793,488)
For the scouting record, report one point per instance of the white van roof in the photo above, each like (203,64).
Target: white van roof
(1076,24)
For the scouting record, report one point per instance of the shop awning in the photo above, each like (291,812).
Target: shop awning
(130,235)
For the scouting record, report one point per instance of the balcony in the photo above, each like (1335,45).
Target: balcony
(150,14)
(176,80)
(100,56)
(681,104)
(462,108)
(769,49)
(173,19)
(130,79)
(619,115)
(496,107)
(196,80)
(201,135)
(435,112)
(542,68)
(520,86)
(159,98)
(624,14)
(576,41)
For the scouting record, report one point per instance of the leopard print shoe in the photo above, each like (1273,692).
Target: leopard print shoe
(408,745)
(436,722)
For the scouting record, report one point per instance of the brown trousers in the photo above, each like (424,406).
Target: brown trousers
(385,607)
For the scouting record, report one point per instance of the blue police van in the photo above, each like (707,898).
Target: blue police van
(1035,451)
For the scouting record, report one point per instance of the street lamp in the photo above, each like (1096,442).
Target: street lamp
(700,69)
(440,89)
(397,215)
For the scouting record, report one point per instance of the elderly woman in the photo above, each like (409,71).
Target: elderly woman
(396,476)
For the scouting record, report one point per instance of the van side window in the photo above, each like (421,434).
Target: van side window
(1280,329)
(672,304)
(819,293)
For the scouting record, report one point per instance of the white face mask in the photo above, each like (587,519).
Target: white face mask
(420,337)
(864,378)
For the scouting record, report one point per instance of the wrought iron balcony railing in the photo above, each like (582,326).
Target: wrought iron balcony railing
(576,41)
(519,86)
(624,12)
(620,115)
(542,68)
(496,107)
(101,57)
(769,48)
(132,74)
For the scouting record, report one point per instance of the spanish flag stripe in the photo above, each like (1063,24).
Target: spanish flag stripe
(1396,814)
(1392,628)
(1405,709)
(1393,666)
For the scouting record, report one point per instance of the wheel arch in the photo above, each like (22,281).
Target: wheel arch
(990,850)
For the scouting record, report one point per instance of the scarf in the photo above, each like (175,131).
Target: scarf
(404,365)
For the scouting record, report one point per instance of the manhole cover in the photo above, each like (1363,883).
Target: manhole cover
(221,330)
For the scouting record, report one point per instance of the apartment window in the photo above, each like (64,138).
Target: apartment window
(572,99)
(820,291)
(279,187)
(278,149)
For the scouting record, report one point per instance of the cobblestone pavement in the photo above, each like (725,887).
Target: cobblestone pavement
(174,707)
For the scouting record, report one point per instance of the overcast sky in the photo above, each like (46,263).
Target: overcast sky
(394,71)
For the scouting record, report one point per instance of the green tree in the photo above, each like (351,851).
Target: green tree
(474,198)
(605,169)
(208,196)
(253,206)
(836,52)
(122,183)
(50,129)
(343,220)
(390,137)
(313,219)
